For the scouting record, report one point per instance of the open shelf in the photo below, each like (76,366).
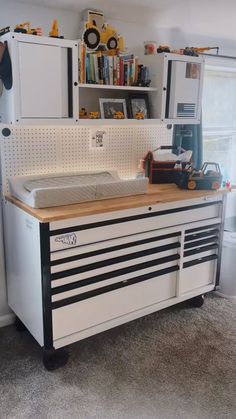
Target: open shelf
(113,87)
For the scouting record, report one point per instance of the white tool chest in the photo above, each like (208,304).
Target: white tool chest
(71,278)
(78,270)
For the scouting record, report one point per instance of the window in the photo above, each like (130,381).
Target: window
(219,116)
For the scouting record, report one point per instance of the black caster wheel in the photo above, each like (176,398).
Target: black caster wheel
(54,359)
(197,301)
(20,327)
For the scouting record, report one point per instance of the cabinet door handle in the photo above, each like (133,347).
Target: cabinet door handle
(75,83)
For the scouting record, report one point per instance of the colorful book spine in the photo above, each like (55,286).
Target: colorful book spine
(82,62)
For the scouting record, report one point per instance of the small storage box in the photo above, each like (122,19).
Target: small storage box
(164,171)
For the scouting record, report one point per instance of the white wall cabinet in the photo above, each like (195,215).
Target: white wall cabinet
(46,90)
(45,75)
(179,83)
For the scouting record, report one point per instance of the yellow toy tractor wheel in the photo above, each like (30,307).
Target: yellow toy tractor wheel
(215,185)
(192,185)
(91,38)
(112,43)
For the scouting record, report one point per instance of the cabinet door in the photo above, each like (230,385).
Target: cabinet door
(184,89)
(43,81)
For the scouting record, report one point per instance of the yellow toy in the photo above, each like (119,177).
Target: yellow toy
(26,28)
(55,31)
(139,115)
(119,115)
(83,113)
(94,115)
(98,32)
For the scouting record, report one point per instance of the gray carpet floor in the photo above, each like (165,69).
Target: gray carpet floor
(178,363)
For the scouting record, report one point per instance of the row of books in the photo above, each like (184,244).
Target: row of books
(110,68)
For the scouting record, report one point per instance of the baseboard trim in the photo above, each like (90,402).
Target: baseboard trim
(7,319)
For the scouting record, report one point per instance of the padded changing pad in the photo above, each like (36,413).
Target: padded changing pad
(41,191)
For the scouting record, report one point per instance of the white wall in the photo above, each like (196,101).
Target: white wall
(199,23)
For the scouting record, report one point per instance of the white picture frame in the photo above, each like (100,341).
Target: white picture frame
(108,107)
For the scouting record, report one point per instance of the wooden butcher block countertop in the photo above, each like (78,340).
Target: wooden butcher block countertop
(157,194)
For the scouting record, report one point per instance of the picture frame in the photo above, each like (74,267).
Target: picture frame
(138,103)
(108,107)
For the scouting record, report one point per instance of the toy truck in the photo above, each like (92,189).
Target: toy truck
(97,32)
(205,178)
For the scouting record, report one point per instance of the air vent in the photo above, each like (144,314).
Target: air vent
(186,110)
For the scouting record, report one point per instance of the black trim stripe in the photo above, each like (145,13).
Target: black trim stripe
(201,235)
(113,261)
(112,249)
(206,228)
(127,219)
(46,285)
(200,249)
(113,274)
(197,243)
(113,287)
(198,261)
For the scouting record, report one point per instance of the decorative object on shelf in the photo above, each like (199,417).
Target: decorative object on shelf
(94,115)
(4,30)
(98,33)
(142,78)
(55,30)
(26,28)
(195,51)
(139,115)
(83,114)
(139,104)
(119,115)
(110,107)
(163,48)
(5,66)
(150,47)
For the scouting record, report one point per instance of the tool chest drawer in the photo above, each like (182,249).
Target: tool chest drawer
(97,309)
(111,264)
(199,257)
(80,233)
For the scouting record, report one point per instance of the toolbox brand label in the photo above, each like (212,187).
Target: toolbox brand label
(69,239)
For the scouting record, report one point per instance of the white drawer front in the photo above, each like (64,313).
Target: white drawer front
(81,315)
(197,276)
(106,230)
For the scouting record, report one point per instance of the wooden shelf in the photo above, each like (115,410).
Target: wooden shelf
(112,87)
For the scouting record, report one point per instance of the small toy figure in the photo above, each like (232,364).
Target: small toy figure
(26,28)
(119,115)
(55,31)
(139,115)
(83,113)
(94,115)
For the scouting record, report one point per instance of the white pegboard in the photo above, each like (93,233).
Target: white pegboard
(41,150)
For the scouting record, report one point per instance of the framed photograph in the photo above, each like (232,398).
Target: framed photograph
(139,104)
(111,107)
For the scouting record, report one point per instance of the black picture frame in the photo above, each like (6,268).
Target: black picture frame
(138,103)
